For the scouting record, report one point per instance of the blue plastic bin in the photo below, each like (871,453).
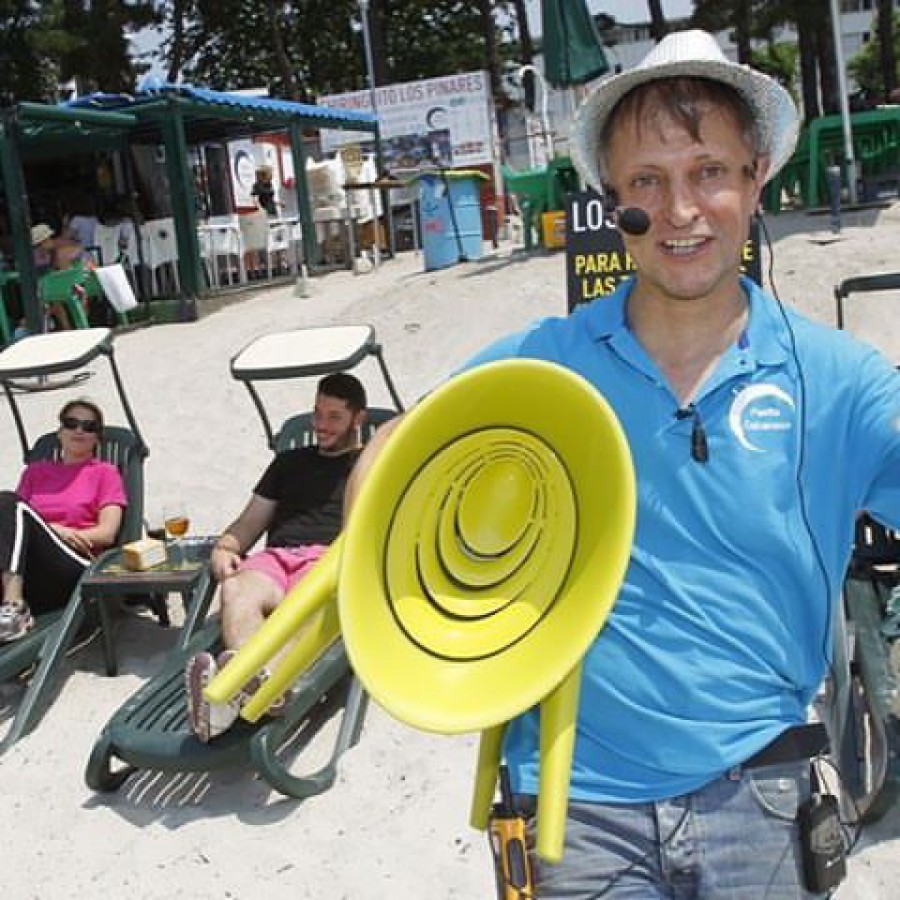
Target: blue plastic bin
(450,218)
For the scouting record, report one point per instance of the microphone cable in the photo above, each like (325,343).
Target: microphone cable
(827,637)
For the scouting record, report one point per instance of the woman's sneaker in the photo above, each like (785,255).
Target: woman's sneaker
(207,720)
(15,621)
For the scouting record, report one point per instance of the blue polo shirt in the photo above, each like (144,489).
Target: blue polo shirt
(720,635)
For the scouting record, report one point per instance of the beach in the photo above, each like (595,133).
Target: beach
(395,823)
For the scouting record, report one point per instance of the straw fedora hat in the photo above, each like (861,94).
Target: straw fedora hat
(40,233)
(691,54)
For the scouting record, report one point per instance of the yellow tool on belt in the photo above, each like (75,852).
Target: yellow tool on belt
(481,559)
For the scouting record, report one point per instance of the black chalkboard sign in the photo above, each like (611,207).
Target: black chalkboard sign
(596,258)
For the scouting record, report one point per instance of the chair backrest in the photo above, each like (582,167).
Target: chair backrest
(128,240)
(297,431)
(159,243)
(106,237)
(121,448)
(254,230)
(223,233)
(888,281)
(57,286)
(279,236)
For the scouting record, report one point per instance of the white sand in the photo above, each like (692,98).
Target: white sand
(395,824)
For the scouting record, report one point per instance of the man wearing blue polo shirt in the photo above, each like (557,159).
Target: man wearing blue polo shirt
(756,437)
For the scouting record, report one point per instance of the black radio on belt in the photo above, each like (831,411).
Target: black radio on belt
(821,839)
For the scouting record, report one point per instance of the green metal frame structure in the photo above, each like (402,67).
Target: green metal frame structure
(33,130)
(174,117)
(177,116)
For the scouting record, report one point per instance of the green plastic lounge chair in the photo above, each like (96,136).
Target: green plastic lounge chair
(864,712)
(150,731)
(867,720)
(53,634)
(43,358)
(884,282)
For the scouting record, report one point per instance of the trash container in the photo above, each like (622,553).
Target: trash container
(450,217)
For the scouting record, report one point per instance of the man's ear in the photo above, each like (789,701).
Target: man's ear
(760,169)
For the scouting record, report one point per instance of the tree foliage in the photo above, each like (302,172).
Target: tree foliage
(866,66)
(43,44)
(758,20)
(307,48)
(778,61)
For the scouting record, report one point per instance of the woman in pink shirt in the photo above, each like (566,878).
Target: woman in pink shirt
(63,513)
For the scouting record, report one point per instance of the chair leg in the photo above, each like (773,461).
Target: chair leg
(196,607)
(267,741)
(874,728)
(102,605)
(99,774)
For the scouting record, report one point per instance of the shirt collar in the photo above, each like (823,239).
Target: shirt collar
(763,340)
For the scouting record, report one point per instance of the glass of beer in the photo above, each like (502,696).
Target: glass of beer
(176,522)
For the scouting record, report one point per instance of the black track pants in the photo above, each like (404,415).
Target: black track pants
(29,547)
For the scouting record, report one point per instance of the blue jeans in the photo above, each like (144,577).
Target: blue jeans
(735,838)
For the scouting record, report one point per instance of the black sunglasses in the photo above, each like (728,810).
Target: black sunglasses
(88,426)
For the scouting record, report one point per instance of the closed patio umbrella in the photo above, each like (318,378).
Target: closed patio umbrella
(572,50)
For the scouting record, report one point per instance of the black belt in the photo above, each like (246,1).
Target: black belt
(799,742)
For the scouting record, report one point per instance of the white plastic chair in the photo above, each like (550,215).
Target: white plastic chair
(280,247)
(254,228)
(160,249)
(220,242)
(106,237)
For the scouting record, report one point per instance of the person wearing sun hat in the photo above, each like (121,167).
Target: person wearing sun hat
(688,54)
(52,252)
(757,436)
(40,233)
(42,247)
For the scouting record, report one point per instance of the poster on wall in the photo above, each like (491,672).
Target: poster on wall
(242,166)
(437,121)
(245,157)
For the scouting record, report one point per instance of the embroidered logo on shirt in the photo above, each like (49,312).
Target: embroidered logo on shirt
(758,413)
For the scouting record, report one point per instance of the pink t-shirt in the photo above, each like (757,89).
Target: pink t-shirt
(72,495)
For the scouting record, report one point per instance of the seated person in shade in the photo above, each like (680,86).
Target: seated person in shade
(61,515)
(42,244)
(298,504)
(52,252)
(80,227)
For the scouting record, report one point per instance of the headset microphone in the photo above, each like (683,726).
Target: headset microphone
(631,219)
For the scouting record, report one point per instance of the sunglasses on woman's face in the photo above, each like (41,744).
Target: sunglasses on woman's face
(89,426)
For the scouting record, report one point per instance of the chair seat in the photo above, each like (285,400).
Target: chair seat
(18,655)
(150,730)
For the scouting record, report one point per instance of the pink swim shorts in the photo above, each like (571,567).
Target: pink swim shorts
(284,565)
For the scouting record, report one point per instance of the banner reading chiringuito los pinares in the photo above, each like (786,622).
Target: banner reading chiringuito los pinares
(437,121)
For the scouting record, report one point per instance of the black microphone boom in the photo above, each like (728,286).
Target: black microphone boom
(633,220)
